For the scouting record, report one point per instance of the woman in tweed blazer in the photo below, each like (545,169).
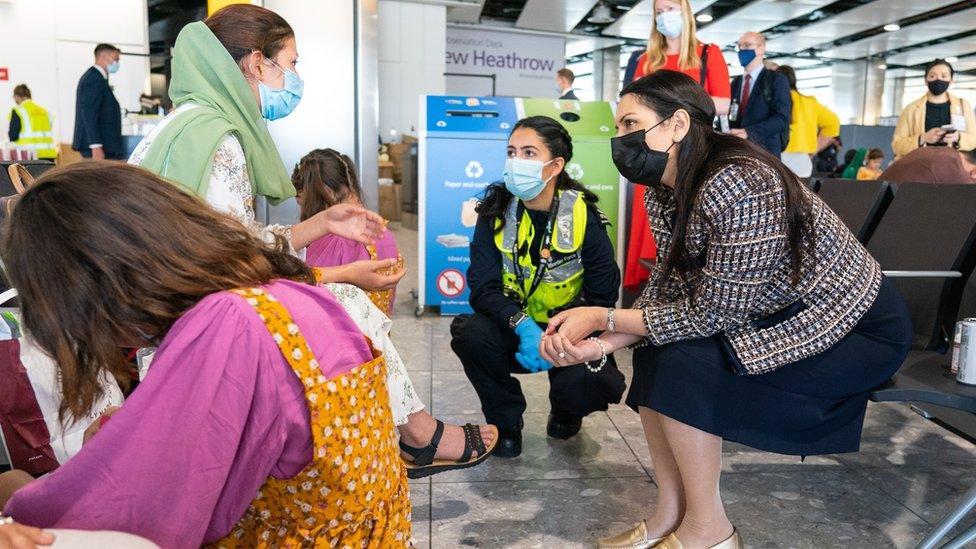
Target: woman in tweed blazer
(765,322)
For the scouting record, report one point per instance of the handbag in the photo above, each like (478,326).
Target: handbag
(36,439)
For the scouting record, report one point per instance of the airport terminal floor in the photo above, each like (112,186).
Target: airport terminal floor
(568,493)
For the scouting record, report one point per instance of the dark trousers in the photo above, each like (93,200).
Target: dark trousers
(487,352)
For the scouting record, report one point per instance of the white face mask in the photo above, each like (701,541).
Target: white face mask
(670,23)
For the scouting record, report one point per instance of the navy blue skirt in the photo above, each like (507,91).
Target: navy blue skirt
(810,407)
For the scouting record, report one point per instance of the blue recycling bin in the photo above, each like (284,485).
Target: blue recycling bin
(463,143)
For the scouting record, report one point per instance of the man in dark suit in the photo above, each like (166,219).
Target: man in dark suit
(564,83)
(98,118)
(761,100)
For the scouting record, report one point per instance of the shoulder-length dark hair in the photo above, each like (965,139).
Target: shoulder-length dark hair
(560,145)
(105,255)
(702,153)
(324,178)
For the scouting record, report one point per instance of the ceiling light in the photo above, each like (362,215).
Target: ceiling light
(883,66)
(704,18)
(601,15)
(952,59)
(892,27)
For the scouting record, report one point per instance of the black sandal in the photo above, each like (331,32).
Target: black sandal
(424,464)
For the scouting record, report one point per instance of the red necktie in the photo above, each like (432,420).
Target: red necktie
(746,88)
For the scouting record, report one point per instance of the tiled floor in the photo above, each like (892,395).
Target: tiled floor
(562,494)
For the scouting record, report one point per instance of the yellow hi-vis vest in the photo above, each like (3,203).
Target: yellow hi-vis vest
(562,279)
(35,130)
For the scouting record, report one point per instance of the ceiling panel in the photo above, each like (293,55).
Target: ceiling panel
(465,14)
(593,43)
(798,63)
(861,18)
(757,16)
(553,15)
(918,56)
(933,29)
(964,65)
(636,23)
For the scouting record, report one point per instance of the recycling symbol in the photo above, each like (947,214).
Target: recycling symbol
(575,171)
(474,169)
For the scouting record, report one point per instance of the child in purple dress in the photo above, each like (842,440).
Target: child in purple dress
(324,178)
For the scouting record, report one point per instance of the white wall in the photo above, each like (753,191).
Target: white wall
(412,40)
(326,117)
(48,44)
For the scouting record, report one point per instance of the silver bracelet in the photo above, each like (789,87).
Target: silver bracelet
(611,325)
(6,520)
(603,359)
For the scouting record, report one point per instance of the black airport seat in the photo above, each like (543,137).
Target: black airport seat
(859,204)
(926,243)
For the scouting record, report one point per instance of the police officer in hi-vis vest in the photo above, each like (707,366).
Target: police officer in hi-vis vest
(540,246)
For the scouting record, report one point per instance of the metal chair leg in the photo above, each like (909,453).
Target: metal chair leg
(950,520)
(962,539)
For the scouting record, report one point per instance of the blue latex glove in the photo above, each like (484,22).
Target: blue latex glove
(530,337)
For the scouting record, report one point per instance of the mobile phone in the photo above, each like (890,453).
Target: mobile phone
(949,128)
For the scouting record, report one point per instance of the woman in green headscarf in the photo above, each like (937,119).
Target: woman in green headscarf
(231,73)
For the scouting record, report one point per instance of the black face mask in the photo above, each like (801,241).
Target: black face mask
(636,161)
(937,87)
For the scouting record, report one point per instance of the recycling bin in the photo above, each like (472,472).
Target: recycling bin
(591,126)
(462,150)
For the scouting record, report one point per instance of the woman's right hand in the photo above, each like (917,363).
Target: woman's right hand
(18,536)
(560,351)
(353,222)
(373,274)
(933,136)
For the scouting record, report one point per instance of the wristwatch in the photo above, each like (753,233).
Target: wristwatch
(516,318)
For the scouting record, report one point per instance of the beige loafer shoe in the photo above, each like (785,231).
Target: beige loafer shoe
(732,542)
(635,538)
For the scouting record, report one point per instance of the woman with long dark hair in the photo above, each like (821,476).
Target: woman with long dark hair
(265,413)
(540,246)
(765,322)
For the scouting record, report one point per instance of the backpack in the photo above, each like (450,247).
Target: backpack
(766,91)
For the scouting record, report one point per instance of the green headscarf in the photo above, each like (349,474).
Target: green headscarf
(183,152)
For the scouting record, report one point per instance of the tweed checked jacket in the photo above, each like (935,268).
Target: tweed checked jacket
(743,287)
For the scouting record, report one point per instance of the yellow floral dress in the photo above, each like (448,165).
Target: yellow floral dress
(383,299)
(354,493)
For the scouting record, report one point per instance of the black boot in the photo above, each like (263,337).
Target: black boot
(509,444)
(563,427)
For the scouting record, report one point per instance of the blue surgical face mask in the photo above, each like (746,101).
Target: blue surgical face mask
(670,23)
(277,104)
(113,67)
(523,178)
(746,57)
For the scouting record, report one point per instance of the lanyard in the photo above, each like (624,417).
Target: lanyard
(544,248)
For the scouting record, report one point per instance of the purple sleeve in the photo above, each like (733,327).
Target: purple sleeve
(332,251)
(167,466)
